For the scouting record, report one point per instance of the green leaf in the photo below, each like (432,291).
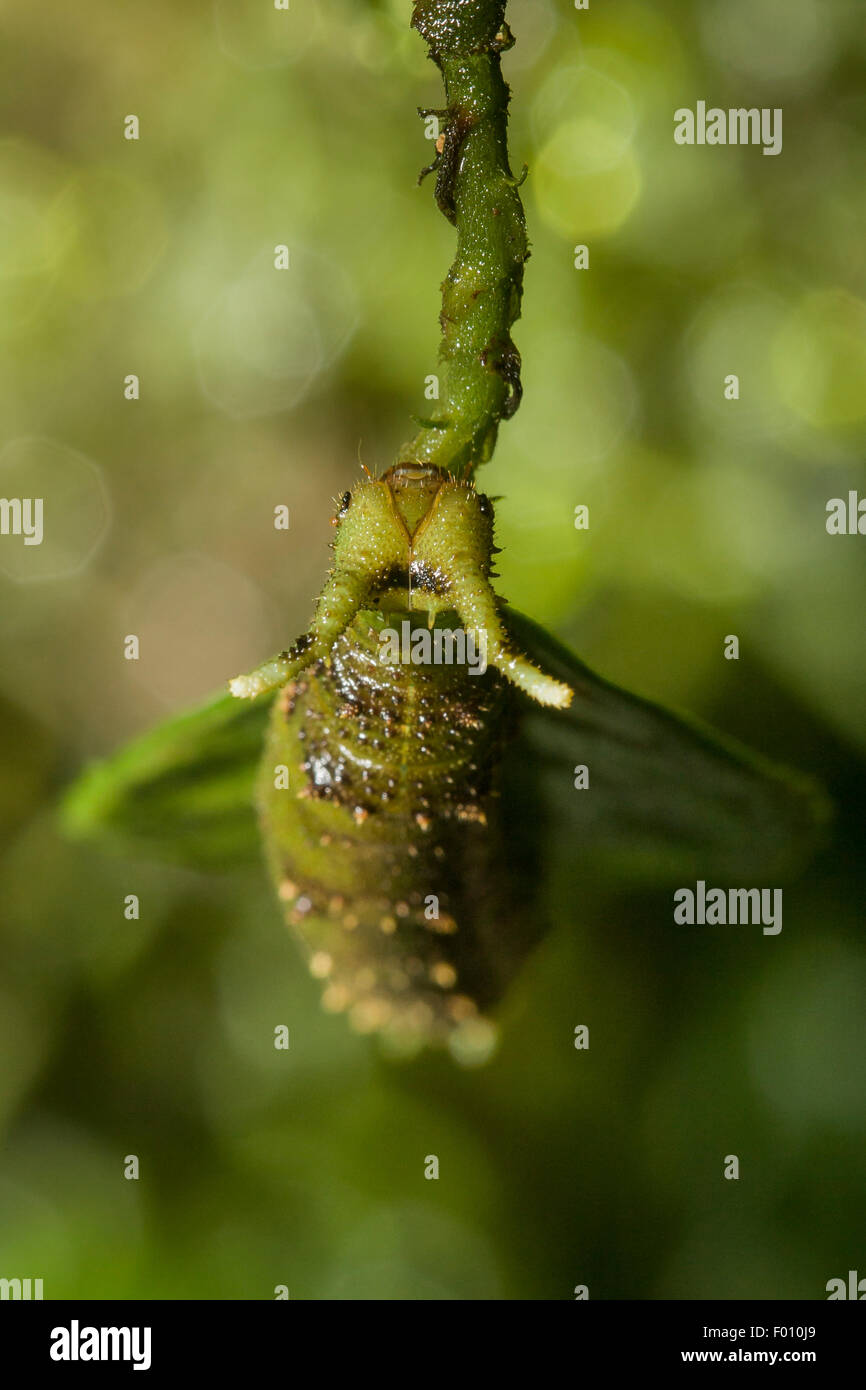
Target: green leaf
(668,797)
(183,790)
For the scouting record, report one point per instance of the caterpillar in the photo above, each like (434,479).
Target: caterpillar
(385,842)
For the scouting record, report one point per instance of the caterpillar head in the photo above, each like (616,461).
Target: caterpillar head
(414,540)
(410,533)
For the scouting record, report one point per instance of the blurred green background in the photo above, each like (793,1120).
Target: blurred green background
(155,257)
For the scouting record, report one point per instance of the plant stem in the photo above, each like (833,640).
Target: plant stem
(475,189)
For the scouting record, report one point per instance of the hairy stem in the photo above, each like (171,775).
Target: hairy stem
(475,189)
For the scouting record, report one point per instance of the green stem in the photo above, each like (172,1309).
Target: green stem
(475,189)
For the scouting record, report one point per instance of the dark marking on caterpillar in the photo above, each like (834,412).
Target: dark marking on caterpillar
(432,581)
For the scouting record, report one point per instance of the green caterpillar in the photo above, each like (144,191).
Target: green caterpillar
(388,855)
